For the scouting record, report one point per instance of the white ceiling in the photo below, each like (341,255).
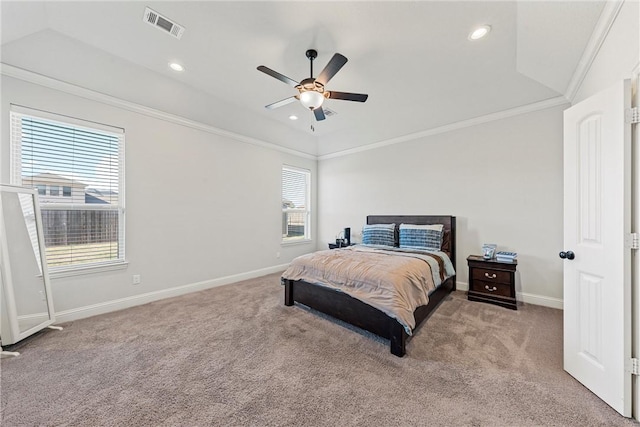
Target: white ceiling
(412,58)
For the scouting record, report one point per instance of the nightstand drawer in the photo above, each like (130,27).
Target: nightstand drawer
(493,276)
(491,288)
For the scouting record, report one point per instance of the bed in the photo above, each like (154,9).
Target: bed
(342,306)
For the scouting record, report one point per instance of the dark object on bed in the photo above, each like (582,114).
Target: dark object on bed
(344,307)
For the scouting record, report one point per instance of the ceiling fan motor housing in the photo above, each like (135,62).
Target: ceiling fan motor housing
(310,84)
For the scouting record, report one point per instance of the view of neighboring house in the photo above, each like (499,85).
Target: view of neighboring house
(58,188)
(85,233)
(100,196)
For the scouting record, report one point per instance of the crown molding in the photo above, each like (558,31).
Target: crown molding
(536,106)
(600,32)
(51,83)
(39,79)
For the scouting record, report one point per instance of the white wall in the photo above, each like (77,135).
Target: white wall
(200,207)
(502,180)
(618,55)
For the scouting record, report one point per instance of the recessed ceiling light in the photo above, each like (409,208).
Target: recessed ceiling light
(175,66)
(479,32)
(293,117)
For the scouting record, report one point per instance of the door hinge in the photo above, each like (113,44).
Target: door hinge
(634,366)
(633,241)
(632,115)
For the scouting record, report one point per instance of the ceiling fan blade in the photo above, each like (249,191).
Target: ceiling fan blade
(332,68)
(346,96)
(281,103)
(319,113)
(278,76)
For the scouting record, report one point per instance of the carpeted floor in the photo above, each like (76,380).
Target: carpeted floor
(236,356)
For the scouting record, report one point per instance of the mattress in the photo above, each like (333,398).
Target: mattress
(393,280)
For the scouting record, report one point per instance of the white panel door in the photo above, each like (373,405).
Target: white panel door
(597,266)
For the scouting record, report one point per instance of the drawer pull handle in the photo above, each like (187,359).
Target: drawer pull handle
(490,289)
(493,276)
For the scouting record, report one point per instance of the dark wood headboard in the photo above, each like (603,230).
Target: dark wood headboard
(449,223)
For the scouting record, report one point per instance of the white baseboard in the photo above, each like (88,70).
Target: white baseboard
(462,286)
(540,300)
(37,317)
(132,301)
(525,297)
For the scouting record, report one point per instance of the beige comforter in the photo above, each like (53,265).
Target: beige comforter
(393,281)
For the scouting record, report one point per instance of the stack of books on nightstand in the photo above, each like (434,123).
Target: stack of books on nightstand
(503,256)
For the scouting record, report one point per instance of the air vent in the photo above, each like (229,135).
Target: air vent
(328,112)
(160,22)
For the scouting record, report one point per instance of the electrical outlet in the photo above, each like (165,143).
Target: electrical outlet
(277,254)
(136,279)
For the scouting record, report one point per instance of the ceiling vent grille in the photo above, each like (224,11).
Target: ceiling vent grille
(158,21)
(328,112)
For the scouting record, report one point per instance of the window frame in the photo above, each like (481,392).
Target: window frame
(306,211)
(17,113)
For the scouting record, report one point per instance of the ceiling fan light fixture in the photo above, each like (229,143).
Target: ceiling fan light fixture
(479,32)
(311,99)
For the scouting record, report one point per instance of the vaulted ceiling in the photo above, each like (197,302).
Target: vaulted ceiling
(413,59)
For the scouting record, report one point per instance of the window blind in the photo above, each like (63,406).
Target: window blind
(295,203)
(77,168)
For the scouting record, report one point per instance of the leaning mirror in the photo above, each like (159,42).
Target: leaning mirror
(26,294)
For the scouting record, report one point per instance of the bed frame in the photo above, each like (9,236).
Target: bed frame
(346,308)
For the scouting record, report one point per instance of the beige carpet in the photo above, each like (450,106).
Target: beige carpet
(236,356)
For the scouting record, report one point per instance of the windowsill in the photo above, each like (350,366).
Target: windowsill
(296,242)
(88,269)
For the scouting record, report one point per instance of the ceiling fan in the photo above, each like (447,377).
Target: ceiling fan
(311,91)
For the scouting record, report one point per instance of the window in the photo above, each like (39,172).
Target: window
(85,227)
(295,204)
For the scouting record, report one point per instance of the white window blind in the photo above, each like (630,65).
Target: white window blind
(77,167)
(296,211)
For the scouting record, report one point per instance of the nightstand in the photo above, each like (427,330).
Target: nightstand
(492,281)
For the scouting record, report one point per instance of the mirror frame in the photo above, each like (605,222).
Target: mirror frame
(9,327)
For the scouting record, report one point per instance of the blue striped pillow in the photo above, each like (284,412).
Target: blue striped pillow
(421,236)
(379,234)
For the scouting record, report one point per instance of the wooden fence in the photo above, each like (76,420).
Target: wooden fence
(73,227)
(293,224)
